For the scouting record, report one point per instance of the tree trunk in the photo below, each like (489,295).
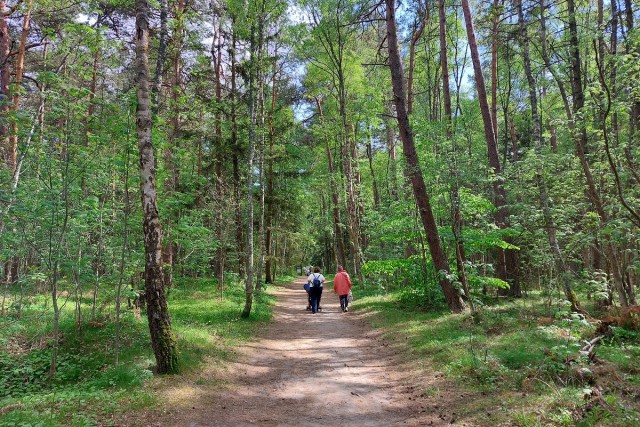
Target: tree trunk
(11,157)
(350,162)
(335,197)
(269,200)
(261,144)
(580,132)
(456,214)
(507,261)
(494,67)
(536,133)
(612,75)
(440,262)
(236,154)
(562,269)
(392,170)
(376,193)
(635,108)
(216,55)
(5,81)
(412,60)
(253,100)
(162,51)
(162,339)
(175,132)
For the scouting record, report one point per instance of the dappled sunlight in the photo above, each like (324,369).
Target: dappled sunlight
(327,369)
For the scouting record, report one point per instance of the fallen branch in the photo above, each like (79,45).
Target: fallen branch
(589,349)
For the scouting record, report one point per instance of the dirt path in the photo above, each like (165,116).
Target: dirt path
(326,369)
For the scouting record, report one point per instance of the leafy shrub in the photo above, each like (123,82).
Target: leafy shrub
(30,373)
(418,289)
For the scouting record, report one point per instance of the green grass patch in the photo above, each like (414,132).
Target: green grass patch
(87,388)
(526,347)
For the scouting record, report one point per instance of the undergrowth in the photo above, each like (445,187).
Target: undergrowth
(87,388)
(523,355)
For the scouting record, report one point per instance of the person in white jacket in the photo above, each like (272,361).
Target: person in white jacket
(316,280)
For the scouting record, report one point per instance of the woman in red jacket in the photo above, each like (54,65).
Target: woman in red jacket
(342,287)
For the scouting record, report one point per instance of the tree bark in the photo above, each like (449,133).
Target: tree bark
(253,101)
(269,199)
(261,142)
(162,51)
(507,261)
(236,154)
(335,197)
(440,262)
(162,339)
(562,269)
(12,153)
(376,193)
(494,67)
(613,257)
(456,214)
(5,80)
(216,55)
(635,108)
(536,133)
(390,136)
(174,135)
(412,60)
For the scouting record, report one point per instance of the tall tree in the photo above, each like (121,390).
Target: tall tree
(254,99)
(456,214)
(335,32)
(5,80)
(562,267)
(335,196)
(216,55)
(580,132)
(236,151)
(414,172)
(162,339)
(507,261)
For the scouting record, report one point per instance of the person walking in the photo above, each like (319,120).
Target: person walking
(306,287)
(342,287)
(316,280)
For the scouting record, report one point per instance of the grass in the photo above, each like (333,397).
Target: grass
(88,389)
(522,353)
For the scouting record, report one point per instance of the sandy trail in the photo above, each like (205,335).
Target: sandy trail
(327,369)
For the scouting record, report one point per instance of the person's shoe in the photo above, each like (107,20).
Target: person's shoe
(346,309)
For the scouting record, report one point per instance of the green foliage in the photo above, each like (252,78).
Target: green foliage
(415,279)
(513,348)
(87,386)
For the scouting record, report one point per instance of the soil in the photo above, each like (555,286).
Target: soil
(324,369)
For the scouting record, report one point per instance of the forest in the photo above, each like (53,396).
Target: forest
(169,168)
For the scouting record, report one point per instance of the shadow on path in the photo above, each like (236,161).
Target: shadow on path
(324,369)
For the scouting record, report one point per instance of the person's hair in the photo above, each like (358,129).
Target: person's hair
(340,267)
(316,269)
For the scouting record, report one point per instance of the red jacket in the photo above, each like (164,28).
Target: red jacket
(342,283)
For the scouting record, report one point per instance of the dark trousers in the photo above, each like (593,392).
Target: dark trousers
(316,294)
(344,301)
(306,289)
